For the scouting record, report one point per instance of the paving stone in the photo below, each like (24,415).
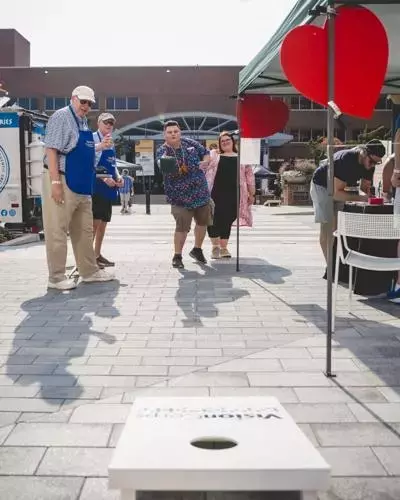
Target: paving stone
(352,461)
(114,360)
(370,412)
(248,365)
(206,379)
(140,370)
(320,413)
(20,460)
(392,394)
(4,432)
(389,458)
(40,488)
(356,434)
(282,353)
(318,365)
(107,381)
(166,392)
(61,416)
(18,392)
(286,379)
(67,380)
(109,413)
(383,488)
(75,462)
(338,395)
(97,489)
(51,434)
(8,417)
(168,361)
(29,404)
(71,392)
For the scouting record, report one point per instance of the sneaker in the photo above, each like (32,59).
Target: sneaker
(100,275)
(215,253)
(198,255)
(224,253)
(394,295)
(105,262)
(65,284)
(177,262)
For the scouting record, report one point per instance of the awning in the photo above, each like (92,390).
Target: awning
(264,73)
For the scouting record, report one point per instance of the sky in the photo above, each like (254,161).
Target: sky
(144,32)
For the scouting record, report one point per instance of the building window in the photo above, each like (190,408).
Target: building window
(305,135)
(382,103)
(318,134)
(53,103)
(295,133)
(355,133)
(31,103)
(317,106)
(294,102)
(305,103)
(122,103)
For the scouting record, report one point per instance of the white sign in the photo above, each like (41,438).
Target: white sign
(10,169)
(250,150)
(144,150)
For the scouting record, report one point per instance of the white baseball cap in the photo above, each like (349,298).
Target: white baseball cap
(106,116)
(84,93)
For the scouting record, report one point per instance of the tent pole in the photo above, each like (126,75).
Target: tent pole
(239,100)
(330,150)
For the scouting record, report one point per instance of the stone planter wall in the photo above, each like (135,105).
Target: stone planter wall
(296,194)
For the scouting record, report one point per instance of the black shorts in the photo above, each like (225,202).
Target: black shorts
(101,208)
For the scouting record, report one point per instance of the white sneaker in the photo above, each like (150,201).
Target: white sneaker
(65,284)
(100,275)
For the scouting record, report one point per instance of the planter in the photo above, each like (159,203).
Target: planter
(295,193)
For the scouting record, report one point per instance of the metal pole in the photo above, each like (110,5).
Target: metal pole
(330,150)
(147,194)
(239,99)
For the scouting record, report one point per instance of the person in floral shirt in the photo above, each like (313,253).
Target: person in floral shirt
(186,190)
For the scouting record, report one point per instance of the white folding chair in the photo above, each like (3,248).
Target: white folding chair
(366,226)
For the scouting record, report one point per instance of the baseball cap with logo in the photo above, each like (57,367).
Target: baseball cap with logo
(106,116)
(84,93)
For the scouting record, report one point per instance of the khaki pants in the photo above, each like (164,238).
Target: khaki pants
(73,216)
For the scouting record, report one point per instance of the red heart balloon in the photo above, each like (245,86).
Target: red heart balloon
(260,116)
(361,59)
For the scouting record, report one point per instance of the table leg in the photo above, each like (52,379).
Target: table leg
(128,495)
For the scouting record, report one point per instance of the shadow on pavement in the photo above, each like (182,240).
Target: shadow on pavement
(57,329)
(199,293)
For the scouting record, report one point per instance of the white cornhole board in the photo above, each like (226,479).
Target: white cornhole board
(154,452)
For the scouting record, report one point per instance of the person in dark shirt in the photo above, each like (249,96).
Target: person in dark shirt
(349,166)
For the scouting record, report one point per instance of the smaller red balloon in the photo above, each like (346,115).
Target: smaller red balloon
(260,116)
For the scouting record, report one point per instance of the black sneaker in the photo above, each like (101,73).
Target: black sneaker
(198,255)
(104,261)
(177,262)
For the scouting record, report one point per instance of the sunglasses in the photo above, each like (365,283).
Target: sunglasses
(85,101)
(108,122)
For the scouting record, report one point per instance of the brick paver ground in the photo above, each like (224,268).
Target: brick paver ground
(203,331)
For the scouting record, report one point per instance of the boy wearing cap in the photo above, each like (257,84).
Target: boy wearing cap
(106,189)
(349,167)
(67,187)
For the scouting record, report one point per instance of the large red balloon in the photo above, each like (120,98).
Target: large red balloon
(361,58)
(260,116)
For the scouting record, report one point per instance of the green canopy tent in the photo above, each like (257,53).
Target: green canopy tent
(264,75)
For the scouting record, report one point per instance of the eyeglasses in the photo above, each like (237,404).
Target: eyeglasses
(86,101)
(108,122)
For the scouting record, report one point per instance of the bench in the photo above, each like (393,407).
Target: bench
(215,444)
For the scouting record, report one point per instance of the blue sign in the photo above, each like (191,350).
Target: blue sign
(12,213)
(9,120)
(4,169)
(4,213)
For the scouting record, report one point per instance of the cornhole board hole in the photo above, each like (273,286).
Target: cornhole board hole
(215,444)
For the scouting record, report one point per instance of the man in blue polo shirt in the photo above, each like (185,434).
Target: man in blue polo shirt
(106,189)
(350,166)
